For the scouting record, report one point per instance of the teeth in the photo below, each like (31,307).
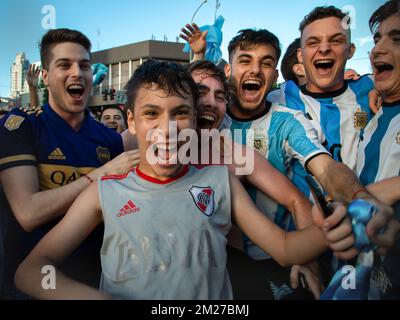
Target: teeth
(207,117)
(252,82)
(324,61)
(76,86)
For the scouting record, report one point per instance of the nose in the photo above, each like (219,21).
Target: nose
(255,68)
(379,48)
(324,47)
(76,70)
(208,100)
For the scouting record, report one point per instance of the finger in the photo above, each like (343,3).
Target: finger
(195,26)
(184,37)
(294,276)
(187,33)
(204,34)
(344,244)
(340,232)
(379,220)
(347,255)
(388,238)
(190,28)
(313,284)
(336,217)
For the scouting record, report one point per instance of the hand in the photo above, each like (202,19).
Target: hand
(375,101)
(312,276)
(351,74)
(32,75)
(337,230)
(119,165)
(391,232)
(196,39)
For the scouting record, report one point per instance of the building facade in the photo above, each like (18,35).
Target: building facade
(19,69)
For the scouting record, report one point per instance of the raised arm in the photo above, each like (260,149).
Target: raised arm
(32,77)
(59,243)
(33,207)
(279,188)
(290,248)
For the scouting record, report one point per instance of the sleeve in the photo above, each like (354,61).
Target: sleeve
(17,145)
(302,139)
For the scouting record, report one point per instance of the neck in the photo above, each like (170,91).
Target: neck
(315,89)
(391,98)
(74,120)
(243,114)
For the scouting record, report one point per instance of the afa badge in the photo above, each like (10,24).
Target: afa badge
(14,122)
(360,119)
(203,197)
(103,154)
(260,142)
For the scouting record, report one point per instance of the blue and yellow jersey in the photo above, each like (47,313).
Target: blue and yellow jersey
(38,136)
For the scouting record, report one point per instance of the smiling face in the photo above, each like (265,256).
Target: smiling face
(325,49)
(212,101)
(114,119)
(252,72)
(385,58)
(69,79)
(155,109)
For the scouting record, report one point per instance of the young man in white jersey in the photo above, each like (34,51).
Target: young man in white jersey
(378,163)
(165,223)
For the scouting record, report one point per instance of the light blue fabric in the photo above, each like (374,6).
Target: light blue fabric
(214,40)
(361,212)
(99,73)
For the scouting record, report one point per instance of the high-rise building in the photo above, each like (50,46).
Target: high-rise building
(19,69)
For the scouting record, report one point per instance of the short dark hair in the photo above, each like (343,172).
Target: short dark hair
(212,70)
(289,60)
(249,38)
(382,13)
(169,76)
(59,36)
(119,108)
(324,12)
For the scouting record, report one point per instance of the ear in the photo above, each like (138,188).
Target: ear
(131,122)
(45,77)
(300,55)
(352,50)
(298,69)
(228,70)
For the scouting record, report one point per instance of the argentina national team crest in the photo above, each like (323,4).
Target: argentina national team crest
(360,119)
(204,199)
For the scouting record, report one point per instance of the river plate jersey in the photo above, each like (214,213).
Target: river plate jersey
(166,240)
(379,148)
(283,136)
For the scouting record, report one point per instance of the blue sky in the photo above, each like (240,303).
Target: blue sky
(122,22)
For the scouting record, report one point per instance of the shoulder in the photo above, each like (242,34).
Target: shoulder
(21,119)
(364,84)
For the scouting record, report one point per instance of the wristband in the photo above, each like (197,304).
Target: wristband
(87,177)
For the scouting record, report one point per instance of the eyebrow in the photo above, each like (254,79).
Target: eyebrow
(68,60)
(154,106)
(268,56)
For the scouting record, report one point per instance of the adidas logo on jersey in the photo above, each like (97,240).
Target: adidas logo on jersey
(128,208)
(56,154)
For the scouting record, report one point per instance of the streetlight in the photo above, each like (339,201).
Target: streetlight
(201,4)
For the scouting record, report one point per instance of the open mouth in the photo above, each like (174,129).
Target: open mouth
(206,121)
(251,89)
(382,67)
(324,66)
(113,126)
(75,90)
(166,154)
